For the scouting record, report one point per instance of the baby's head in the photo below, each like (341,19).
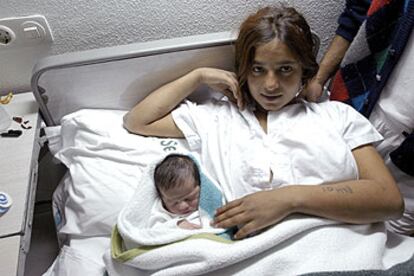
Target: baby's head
(177,181)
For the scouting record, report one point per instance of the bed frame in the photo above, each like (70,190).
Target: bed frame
(118,77)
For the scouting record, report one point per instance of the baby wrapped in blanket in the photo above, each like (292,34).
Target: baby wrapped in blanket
(177,181)
(140,247)
(175,200)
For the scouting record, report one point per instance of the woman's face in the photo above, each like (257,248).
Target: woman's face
(275,75)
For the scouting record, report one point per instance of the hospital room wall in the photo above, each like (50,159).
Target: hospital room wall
(80,25)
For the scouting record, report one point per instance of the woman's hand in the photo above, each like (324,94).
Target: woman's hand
(254,212)
(224,82)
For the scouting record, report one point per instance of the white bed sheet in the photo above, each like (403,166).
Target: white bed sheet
(105,164)
(84,256)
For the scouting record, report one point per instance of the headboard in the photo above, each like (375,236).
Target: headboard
(119,77)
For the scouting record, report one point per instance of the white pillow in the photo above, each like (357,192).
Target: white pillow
(105,163)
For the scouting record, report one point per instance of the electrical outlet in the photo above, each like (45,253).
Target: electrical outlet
(6,35)
(18,32)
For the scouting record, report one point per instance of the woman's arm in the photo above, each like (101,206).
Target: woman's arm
(152,116)
(328,66)
(374,197)
(349,23)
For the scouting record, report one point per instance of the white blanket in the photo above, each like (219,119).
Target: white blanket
(295,246)
(135,221)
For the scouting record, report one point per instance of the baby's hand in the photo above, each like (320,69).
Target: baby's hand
(185,224)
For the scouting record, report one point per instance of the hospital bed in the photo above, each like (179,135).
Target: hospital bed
(83,97)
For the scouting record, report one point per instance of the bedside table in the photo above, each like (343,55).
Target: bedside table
(18,178)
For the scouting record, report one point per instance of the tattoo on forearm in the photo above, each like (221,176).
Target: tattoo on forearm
(341,190)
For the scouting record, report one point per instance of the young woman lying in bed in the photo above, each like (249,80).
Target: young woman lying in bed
(278,154)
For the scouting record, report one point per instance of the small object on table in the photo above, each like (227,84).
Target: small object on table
(6,99)
(5,120)
(5,202)
(11,133)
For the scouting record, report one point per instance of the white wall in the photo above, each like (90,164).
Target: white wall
(86,24)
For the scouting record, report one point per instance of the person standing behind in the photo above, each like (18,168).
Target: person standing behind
(374,45)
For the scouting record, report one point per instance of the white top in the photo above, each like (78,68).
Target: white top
(306,143)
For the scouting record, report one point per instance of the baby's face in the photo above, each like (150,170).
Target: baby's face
(182,199)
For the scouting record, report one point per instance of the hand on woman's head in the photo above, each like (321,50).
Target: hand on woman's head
(223,81)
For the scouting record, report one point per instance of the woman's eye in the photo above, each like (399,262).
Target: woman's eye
(257,69)
(286,69)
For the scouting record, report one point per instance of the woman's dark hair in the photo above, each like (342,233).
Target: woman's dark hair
(173,170)
(283,23)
